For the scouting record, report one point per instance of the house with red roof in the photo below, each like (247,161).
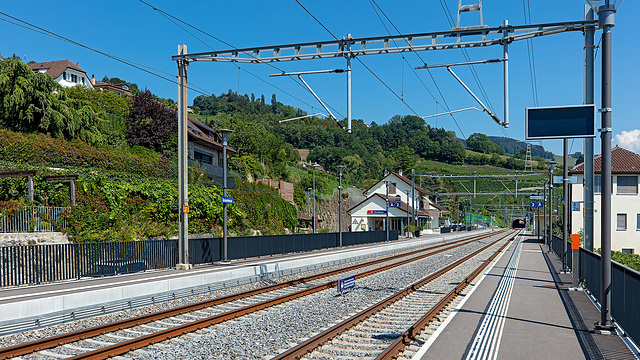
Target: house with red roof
(371,213)
(64,72)
(625,200)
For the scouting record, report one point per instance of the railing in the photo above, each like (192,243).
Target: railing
(35,264)
(208,250)
(34,219)
(625,287)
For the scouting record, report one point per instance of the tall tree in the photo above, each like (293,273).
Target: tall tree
(151,124)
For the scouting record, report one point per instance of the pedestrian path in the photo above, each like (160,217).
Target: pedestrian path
(522,309)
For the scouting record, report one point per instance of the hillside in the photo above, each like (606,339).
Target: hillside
(513,146)
(124,150)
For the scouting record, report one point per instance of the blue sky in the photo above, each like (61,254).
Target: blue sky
(132,30)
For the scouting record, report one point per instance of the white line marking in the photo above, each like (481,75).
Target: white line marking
(423,350)
(487,341)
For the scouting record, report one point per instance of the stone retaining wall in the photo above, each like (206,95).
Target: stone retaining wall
(9,239)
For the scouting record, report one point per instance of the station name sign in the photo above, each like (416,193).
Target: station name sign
(376,211)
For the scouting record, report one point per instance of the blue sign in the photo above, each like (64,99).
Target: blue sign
(396,204)
(346,283)
(536,204)
(227,200)
(575,206)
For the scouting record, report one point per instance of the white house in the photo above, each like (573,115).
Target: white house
(625,200)
(63,72)
(370,214)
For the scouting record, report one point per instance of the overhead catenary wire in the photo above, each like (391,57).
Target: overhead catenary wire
(474,73)
(360,61)
(175,20)
(422,60)
(29,26)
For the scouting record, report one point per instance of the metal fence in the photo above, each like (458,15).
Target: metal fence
(35,264)
(625,287)
(34,219)
(208,250)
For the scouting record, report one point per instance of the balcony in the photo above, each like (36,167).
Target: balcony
(215,172)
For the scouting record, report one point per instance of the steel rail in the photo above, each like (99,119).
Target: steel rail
(410,334)
(146,340)
(52,342)
(302,349)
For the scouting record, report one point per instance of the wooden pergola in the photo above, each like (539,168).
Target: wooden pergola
(72,184)
(29,174)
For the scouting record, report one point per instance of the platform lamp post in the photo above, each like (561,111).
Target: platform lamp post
(551,165)
(408,218)
(340,170)
(386,201)
(314,196)
(225,245)
(309,200)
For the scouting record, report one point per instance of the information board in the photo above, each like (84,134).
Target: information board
(560,122)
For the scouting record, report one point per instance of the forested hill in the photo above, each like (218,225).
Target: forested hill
(367,152)
(513,146)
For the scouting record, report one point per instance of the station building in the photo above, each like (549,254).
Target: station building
(370,214)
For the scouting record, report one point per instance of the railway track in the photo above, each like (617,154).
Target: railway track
(385,329)
(123,336)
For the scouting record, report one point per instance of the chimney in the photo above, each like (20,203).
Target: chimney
(400,172)
(93,79)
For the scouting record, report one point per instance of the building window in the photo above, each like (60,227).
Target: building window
(203,158)
(392,188)
(638,222)
(627,184)
(621,223)
(628,251)
(597,184)
(64,75)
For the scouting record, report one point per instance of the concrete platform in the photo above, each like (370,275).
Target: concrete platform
(522,309)
(59,302)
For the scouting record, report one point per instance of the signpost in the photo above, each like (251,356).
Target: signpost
(395,204)
(346,284)
(536,204)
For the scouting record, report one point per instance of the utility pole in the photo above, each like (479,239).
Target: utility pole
(551,165)
(565,203)
(183,188)
(225,245)
(589,49)
(314,196)
(606,15)
(340,170)
(386,201)
(413,196)
(408,220)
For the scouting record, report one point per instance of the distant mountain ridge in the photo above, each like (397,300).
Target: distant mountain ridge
(512,146)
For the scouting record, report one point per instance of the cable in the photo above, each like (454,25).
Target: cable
(424,62)
(172,18)
(141,67)
(530,53)
(445,8)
